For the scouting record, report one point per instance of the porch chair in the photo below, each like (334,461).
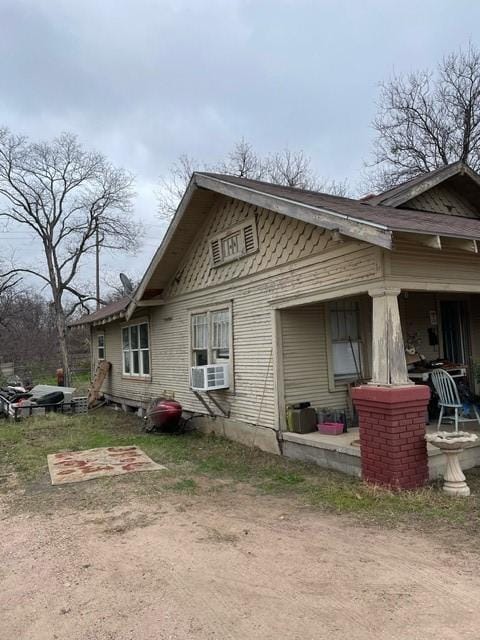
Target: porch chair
(448,396)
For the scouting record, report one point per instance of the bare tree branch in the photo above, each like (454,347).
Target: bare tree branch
(64,193)
(427,120)
(287,167)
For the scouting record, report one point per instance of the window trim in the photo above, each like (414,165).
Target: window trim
(209,310)
(136,376)
(226,233)
(334,384)
(98,347)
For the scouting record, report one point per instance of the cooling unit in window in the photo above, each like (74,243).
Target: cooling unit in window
(209,377)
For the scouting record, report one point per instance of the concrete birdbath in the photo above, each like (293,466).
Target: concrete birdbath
(452,444)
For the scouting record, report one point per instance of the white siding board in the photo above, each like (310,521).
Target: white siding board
(305,359)
(414,262)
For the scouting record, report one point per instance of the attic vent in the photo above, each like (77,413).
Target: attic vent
(216,252)
(250,238)
(234,243)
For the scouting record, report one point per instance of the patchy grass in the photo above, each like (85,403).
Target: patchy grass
(203,465)
(187,485)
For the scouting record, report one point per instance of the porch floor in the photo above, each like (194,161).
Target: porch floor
(343,453)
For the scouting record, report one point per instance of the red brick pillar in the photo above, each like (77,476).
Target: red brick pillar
(392,430)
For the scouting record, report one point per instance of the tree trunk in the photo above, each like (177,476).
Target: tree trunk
(62,340)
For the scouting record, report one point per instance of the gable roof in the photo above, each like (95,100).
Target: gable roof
(458,173)
(382,217)
(367,220)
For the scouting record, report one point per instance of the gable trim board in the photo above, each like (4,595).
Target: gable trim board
(406,191)
(370,232)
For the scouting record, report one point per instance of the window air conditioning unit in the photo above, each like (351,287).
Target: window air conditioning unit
(209,377)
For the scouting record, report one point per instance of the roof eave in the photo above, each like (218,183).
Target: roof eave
(352,226)
(370,232)
(405,192)
(184,202)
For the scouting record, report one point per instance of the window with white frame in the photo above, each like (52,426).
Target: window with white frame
(136,350)
(101,346)
(234,243)
(346,340)
(211,335)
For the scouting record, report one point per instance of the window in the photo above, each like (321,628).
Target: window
(234,243)
(136,351)
(346,339)
(211,337)
(101,346)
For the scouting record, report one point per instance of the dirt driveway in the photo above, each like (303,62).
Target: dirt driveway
(215,568)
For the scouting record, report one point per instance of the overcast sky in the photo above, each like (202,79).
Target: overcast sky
(146,81)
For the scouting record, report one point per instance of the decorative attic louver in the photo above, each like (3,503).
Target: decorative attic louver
(234,243)
(250,239)
(216,252)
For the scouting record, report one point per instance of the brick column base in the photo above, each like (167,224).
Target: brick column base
(392,430)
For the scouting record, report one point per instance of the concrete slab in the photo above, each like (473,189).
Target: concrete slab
(338,452)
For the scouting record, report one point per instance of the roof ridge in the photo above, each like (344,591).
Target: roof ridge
(418,179)
(228,176)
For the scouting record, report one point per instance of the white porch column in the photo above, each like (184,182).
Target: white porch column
(389,366)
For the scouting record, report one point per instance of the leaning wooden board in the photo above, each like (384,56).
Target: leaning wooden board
(100,375)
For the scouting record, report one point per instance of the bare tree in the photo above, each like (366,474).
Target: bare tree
(8,291)
(287,167)
(7,283)
(63,194)
(427,120)
(242,161)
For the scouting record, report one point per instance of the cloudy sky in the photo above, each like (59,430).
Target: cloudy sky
(145,81)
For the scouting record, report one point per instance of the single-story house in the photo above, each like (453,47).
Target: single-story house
(261,296)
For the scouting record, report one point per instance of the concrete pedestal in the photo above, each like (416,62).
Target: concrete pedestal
(392,434)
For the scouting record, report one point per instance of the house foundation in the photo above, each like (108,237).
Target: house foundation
(392,434)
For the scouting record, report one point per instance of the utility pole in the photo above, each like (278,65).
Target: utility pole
(97,263)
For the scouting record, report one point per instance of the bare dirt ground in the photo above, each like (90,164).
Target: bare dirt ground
(221,568)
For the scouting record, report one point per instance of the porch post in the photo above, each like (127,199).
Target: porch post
(389,366)
(391,409)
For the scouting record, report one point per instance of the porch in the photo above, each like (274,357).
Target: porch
(342,452)
(382,338)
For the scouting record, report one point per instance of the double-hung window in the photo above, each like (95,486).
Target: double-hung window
(136,350)
(211,337)
(100,346)
(346,339)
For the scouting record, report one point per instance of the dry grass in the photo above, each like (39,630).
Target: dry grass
(204,466)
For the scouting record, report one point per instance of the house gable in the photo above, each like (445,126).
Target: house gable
(279,239)
(451,190)
(444,199)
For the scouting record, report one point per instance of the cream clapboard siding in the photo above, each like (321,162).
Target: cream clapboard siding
(443,199)
(416,263)
(305,361)
(307,261)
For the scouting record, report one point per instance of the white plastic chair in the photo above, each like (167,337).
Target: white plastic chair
(448,396)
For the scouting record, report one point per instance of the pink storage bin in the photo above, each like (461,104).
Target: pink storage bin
(330,428)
